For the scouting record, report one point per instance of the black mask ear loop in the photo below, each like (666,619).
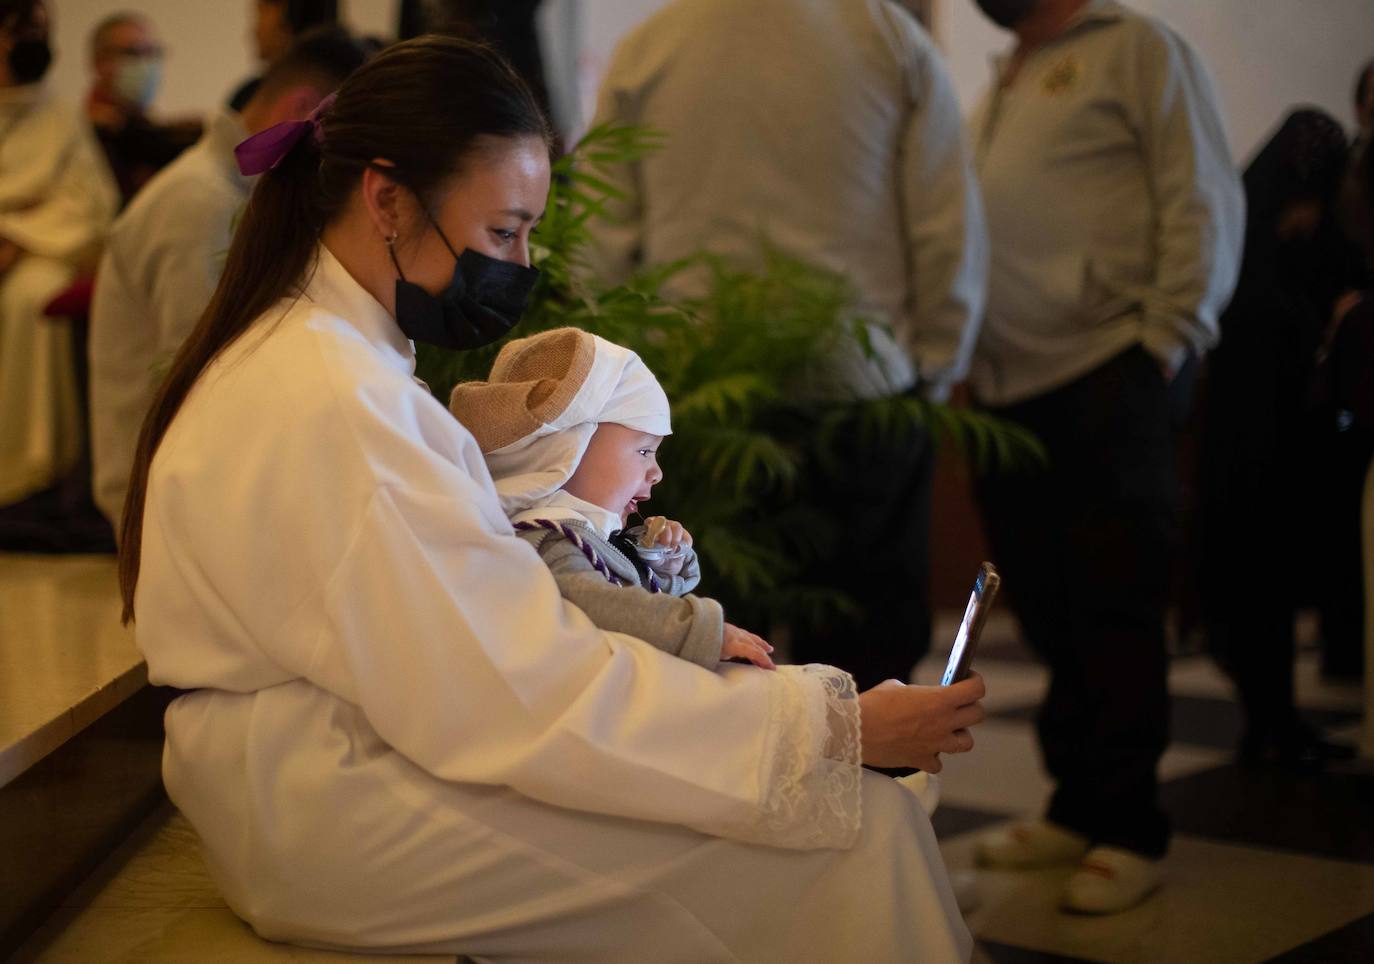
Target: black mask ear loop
(391,242)
(439,231)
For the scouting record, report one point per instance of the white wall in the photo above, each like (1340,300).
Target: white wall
(1265,55)
(604,23)
(209,44)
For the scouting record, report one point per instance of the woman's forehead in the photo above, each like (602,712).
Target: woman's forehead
(510,175)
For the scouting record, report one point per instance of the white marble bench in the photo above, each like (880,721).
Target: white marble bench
(65,660)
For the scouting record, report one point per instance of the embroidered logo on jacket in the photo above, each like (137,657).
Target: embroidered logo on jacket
(1063,76)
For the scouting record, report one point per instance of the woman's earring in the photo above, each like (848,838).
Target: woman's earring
(390,239)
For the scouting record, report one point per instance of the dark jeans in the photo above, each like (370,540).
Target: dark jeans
(882,492)
(1084,548)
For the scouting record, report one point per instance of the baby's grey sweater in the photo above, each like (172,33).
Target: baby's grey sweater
(672,620)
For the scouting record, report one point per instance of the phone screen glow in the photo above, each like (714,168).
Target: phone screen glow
(961,640)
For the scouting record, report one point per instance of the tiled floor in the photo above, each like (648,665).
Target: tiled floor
(1263,866)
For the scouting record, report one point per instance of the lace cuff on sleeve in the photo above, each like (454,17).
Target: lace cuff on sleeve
(810,797)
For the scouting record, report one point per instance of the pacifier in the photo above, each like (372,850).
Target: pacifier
(645,539)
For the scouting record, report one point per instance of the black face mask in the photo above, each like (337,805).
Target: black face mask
(482,303)
(29,59)
(1006,13)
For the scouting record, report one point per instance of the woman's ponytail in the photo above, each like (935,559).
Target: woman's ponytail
(270,252)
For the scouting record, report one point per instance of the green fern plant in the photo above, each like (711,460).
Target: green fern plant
(735,364)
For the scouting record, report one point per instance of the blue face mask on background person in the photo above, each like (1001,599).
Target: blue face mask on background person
(482,303)
(137,79)
(29,59)
(1006,13)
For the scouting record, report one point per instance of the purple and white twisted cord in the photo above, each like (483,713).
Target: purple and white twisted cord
(571,534)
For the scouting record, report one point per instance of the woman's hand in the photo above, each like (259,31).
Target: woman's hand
(742,644)
(673,535)
(910,726)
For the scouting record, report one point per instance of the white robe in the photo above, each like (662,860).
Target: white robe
(57,198)
(401,737)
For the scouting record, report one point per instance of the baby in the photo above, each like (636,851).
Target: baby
(570,425)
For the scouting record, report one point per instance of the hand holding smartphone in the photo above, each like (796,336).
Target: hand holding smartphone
(971,628)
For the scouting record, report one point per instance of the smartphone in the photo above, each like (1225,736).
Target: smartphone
(966,642)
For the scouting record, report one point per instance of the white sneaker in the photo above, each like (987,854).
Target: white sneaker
(1110,880)
(1031,843)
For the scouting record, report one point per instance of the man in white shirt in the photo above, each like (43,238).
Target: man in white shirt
(166,251)
(1116,218)
(830,129)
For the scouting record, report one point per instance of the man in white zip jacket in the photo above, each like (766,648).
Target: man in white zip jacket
(1116,217)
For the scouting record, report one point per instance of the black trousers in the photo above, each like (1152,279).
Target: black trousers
(1254,466)
(1084,548)
(881,491)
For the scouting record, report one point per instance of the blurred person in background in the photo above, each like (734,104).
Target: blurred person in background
(126,61)
(1364,104)
(857,164)
(276,25)
(1117,220)
(1345,402)
(1259,488)
(1345,433)
(1355,204)
(510,26)
(166,251)
(56,202)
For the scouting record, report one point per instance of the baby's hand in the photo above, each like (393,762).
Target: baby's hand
(742,644)
(659,531)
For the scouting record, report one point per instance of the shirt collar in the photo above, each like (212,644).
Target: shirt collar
(224,131)
(1095,11)
(333,289)
(562,506)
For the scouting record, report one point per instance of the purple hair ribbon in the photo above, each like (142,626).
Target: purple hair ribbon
(266,149)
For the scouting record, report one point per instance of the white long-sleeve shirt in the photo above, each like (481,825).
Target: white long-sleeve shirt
(326,562)
(827,127)
(160,267)
(1115,211)
(57,196)
(57,199)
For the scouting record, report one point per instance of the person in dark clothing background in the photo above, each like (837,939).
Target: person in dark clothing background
(1344,413)
(507,25)
(276,25)
(1259,501)
(126,60)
